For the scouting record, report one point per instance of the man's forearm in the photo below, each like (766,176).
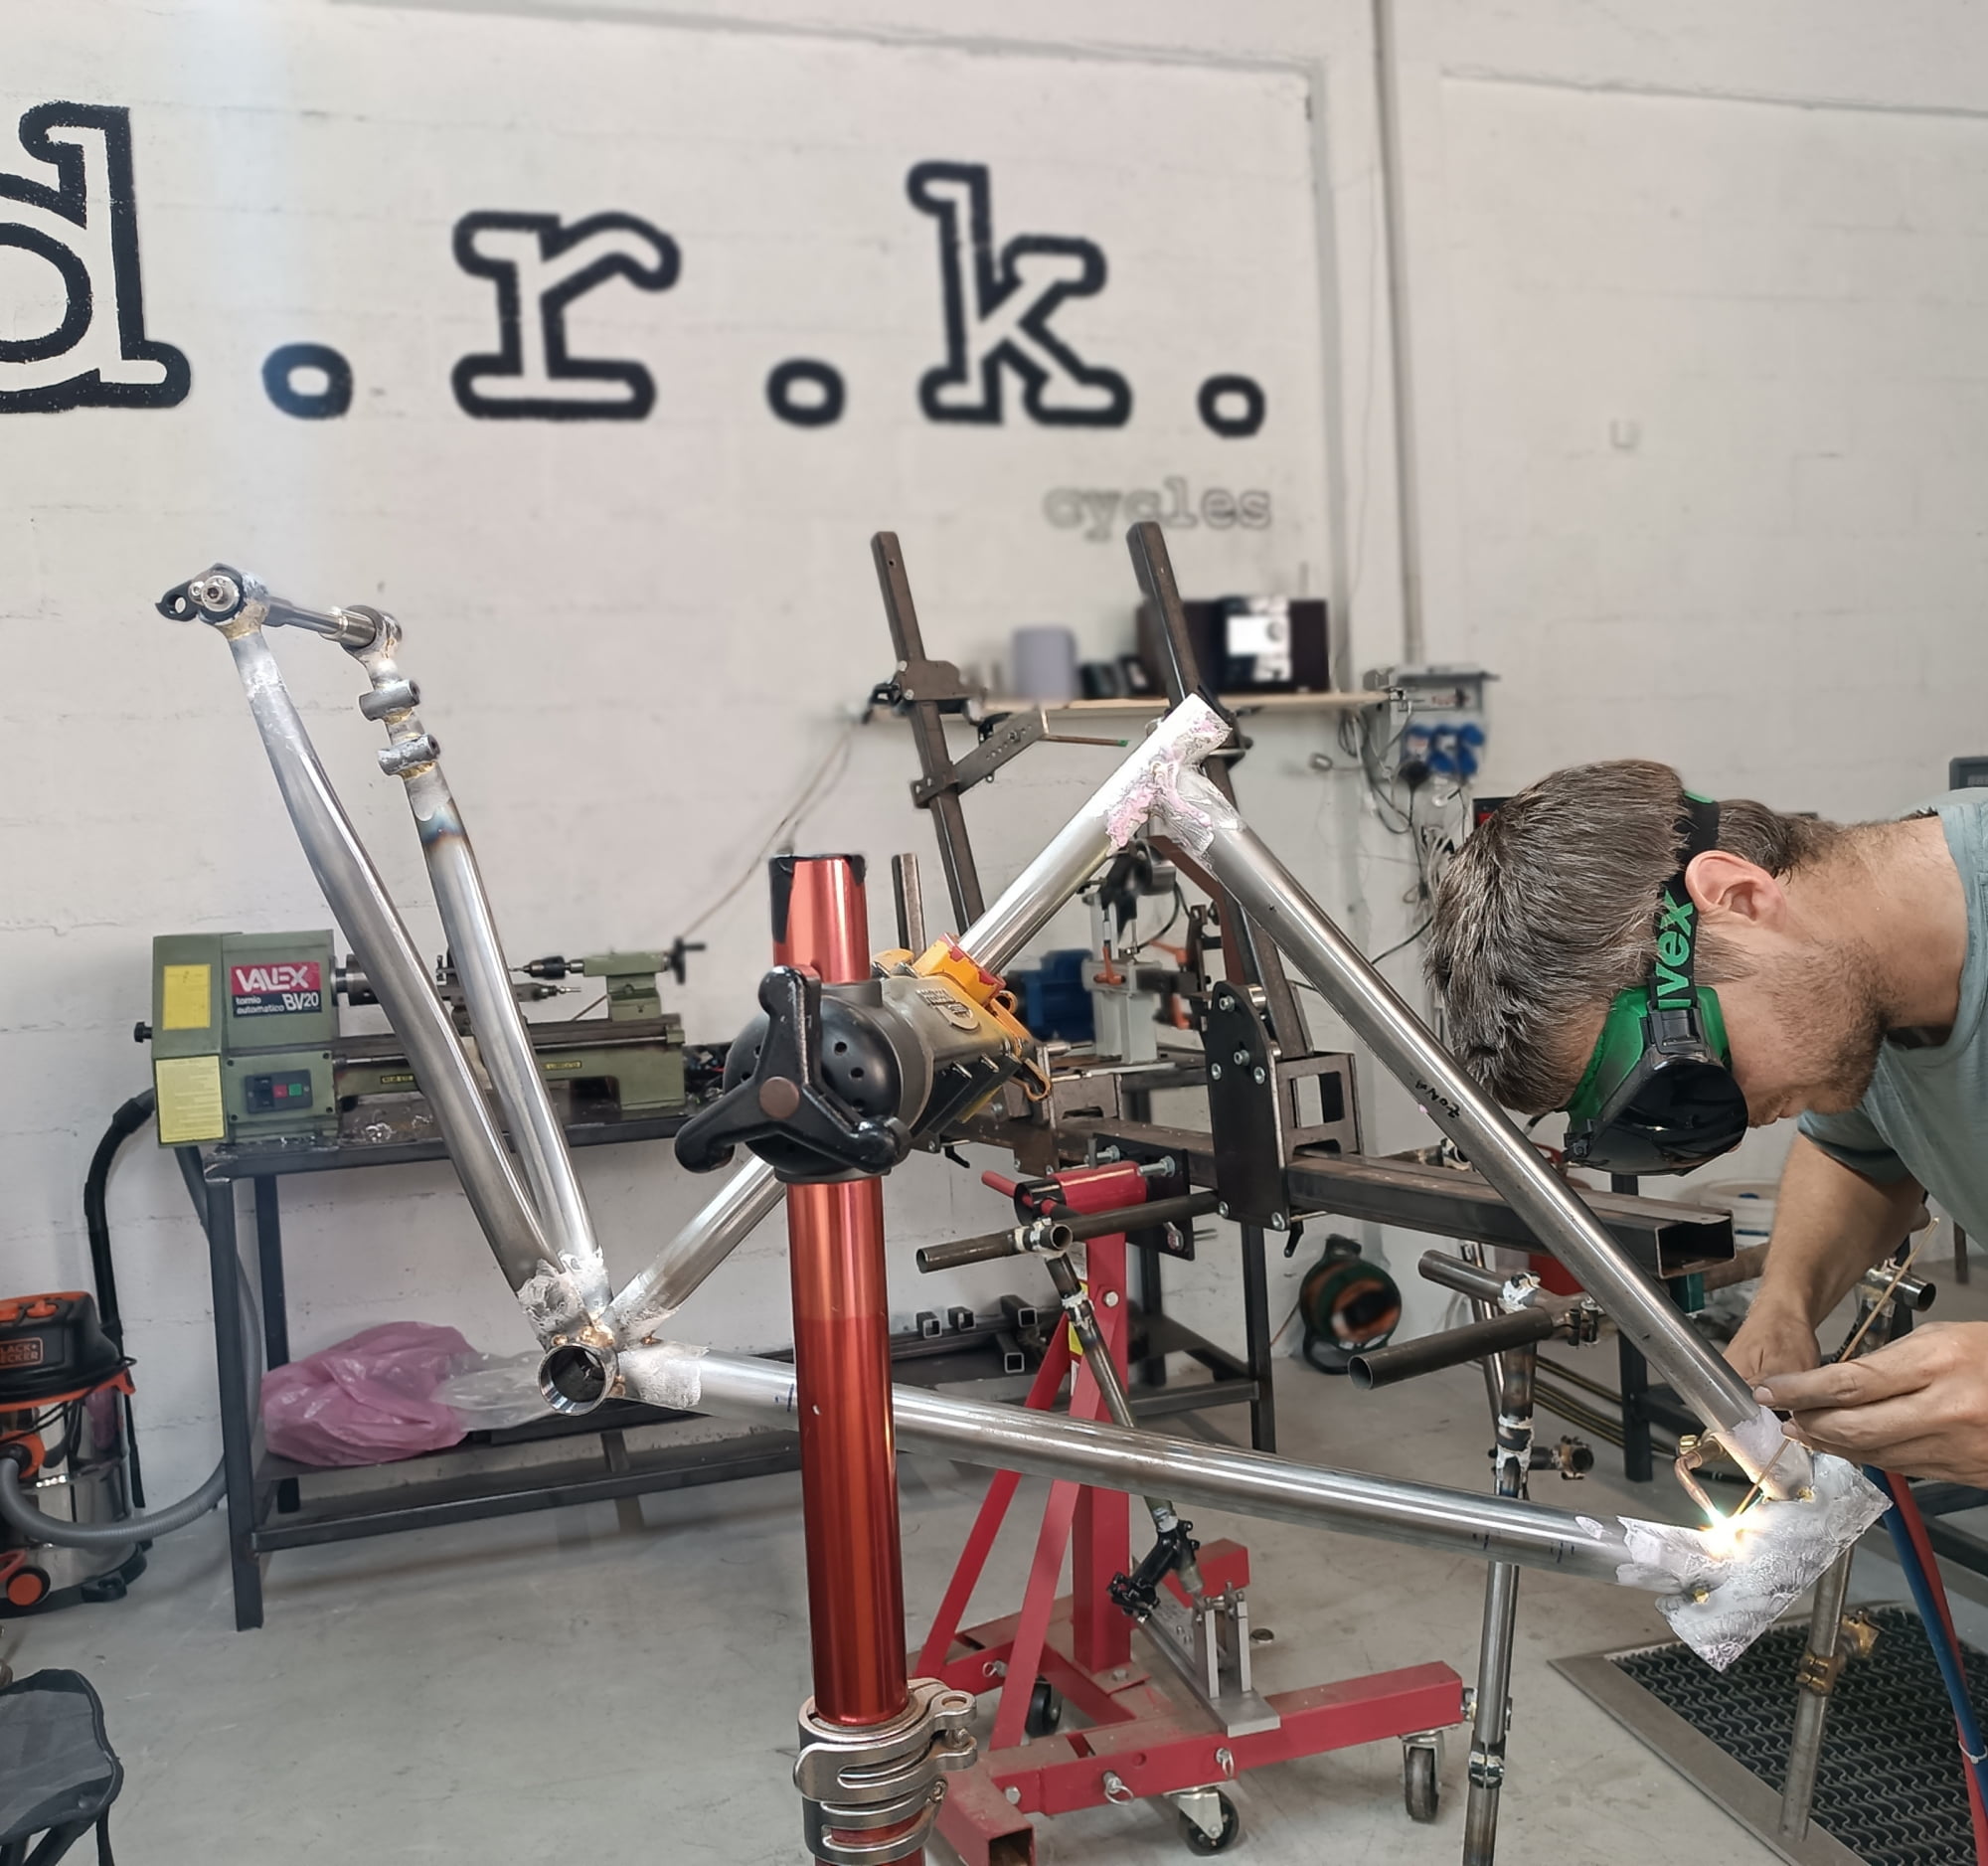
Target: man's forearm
(1829,1225)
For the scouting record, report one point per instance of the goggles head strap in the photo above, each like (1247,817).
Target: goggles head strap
(1673,987)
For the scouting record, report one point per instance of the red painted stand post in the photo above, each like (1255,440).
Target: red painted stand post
(842,1356)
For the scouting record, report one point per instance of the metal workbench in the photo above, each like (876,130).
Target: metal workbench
(267,1510)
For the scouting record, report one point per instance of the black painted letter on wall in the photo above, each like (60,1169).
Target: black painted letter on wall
(538,268)
(86,227)
(998,309)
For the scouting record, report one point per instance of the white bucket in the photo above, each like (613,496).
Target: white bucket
(1752,1203)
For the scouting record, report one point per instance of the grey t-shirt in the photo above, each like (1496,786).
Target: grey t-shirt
(1926,1113)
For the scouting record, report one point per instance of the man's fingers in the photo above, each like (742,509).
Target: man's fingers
(1914,1457)
(1863,1434)
(1879,1376)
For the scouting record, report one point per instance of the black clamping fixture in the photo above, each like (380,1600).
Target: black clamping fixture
(776,1101)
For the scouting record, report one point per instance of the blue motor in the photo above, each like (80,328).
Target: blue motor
(1053,998)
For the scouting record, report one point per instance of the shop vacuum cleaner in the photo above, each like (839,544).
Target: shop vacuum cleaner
(69,1484)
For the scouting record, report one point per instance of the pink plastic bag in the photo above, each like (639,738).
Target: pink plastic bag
(367,1400)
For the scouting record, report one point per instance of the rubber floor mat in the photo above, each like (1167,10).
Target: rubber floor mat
(1890,1785)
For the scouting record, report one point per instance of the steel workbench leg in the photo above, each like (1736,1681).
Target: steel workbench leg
(275,1304)
(269,1261)
(1152,1305)
(1637,1463)
(1256,1335)
(238,1427)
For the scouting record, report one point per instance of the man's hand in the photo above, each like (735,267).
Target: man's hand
(1919,1407)
(1774,1339)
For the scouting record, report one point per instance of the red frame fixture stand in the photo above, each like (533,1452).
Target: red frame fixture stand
(1139,1741)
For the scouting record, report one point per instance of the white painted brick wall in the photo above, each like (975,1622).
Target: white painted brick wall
(637,640)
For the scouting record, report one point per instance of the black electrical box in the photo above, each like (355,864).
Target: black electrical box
(1247,644)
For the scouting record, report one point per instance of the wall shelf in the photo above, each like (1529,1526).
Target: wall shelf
(1151,705)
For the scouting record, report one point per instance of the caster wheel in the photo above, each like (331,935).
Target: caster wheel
(111,1587)
(1418,1785)
(1045,1710)
(1205,1844)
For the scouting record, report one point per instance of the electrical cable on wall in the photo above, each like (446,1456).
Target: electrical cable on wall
(818,787)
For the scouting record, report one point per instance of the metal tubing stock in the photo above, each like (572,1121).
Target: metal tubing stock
(1060,1233)
(485,975)
(1204,820)
(1026,905)
(1425,1354)
(1472,1279)
(1250,1483)
(360,900)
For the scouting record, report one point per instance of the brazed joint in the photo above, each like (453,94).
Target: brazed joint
(1818,1673)
(389,697)
(411,755)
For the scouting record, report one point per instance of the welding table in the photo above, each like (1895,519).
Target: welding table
(266,1511)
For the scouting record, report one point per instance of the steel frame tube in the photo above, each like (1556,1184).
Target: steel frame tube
(359,897)
(1512,1422)
(750,1193)
(1825,1635)
(1096,1356)
(1192,1475)
(1199,817)
(484,973)
(1026,905)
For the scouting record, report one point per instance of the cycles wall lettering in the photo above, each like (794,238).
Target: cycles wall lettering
(83,224)
(1103,513)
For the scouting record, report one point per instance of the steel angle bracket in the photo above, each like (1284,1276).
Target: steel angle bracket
(1245,1109)
(1207,1645)
(1013,733)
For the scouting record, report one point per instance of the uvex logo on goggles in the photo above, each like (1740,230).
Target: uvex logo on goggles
(1670,982)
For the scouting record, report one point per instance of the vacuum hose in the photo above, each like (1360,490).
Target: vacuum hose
(102,1270)
(26,1520)
(16,1511)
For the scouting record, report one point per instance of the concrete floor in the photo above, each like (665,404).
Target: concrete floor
(498,1690)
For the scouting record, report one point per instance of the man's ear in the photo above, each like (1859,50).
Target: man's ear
(1734,893)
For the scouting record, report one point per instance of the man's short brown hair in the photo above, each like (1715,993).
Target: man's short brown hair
(1550,910)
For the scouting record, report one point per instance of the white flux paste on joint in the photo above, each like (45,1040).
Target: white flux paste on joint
(1156,790)
(552,1301)
(669,1374)
(1724,1586)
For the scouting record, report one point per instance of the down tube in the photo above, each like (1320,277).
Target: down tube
(1026,905)
(1271,896)
(1089,1451)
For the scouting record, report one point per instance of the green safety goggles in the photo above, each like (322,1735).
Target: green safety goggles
(1658,1094)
